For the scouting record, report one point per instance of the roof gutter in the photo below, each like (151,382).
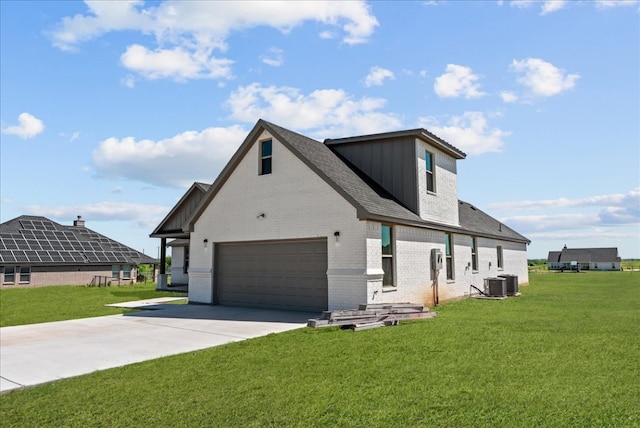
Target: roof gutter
(439,227)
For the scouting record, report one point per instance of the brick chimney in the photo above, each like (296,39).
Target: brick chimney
(79,222)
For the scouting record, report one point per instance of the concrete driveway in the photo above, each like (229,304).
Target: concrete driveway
(39,353)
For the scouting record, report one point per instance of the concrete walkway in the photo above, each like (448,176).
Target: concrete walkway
(39,353)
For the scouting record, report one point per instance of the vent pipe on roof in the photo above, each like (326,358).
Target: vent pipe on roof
(79,222)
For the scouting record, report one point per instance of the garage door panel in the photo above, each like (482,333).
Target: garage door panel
(275,274)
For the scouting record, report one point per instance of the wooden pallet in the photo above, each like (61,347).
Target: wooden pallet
(371,316)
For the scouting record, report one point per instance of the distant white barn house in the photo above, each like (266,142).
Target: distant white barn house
(584,259)
(294,223)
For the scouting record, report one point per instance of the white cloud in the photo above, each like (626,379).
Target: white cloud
(629,199)
(469,132)
(174,162)
(508,97)
(602,211)
(187,32)
(177,63)
(458,81)
(74,136)
(274,57)
(146,215)
(199,156)
(377,76)
(547,6)
(103,17)
(543,78)
(521,4)
(550,222)
(129,81)
(28,126)
(550,6)
(615,3)
(327,112)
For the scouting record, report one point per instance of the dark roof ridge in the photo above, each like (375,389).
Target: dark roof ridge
(421,133)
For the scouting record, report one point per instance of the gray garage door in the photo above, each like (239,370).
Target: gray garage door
(289,275)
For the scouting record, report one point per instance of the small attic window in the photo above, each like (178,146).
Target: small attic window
(265,157)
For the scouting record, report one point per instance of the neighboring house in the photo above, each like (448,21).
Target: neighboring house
(584,259)
(171,228)
(35,251)
(293,223)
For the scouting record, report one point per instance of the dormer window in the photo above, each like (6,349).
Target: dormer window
(428,157)
(265,157)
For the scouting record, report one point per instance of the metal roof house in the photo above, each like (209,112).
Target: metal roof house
(35,251)
(298,224)
(584,259)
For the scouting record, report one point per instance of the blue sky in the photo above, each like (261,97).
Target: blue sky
(110,110)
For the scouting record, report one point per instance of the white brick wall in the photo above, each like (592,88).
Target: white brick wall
(413,276)
(441,206)
(514,257)
(177,266)
(296,203)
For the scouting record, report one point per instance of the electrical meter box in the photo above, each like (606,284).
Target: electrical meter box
(436,259)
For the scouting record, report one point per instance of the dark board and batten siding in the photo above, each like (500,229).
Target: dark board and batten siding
(390,163)
(179,218)
(287,275)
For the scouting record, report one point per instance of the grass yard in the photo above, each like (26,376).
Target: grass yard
(564,354)
(20,306)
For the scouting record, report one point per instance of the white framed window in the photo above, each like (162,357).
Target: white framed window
(115,272)
(474,253)
(448,253)
(266,148)
(25,274)
(9,275)
(387,255)
(126,272)
(499,257)
(431,182)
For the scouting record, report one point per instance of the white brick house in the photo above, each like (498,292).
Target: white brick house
(293,223)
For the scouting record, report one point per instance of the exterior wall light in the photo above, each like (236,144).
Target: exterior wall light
(204,242)
(337,235)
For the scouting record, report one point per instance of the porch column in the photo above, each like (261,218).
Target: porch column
(162,277)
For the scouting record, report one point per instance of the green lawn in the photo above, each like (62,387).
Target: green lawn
(35,305)
(564,354)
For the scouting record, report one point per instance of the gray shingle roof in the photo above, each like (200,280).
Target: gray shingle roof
(369,199)
(36,241)
(478,222)
(584,255)
(554,256)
